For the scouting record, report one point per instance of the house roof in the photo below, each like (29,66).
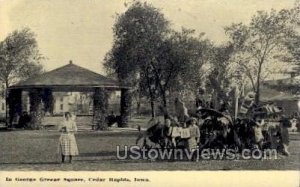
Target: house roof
(291,85)
(69,77)
(270,94)
(294,81)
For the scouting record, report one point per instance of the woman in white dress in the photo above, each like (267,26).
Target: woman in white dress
(67,141)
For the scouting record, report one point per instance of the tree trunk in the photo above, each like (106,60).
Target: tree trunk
(151,100)
(138,107)
(165,105)
(6,103)
(36,108)
(152,108)
(48,100)
(14,101)
(125,107)
(100,109)
(257,95)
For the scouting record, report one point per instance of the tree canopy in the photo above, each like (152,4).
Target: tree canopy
(151,56)
(19,57)
(262,42)
(161,63)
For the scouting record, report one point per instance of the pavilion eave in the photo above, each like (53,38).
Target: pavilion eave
(69,88)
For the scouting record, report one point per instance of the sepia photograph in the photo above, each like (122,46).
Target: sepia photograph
(149,85)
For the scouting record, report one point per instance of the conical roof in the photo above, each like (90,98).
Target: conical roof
(70,76)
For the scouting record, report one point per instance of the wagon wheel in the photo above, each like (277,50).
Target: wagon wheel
(207,136)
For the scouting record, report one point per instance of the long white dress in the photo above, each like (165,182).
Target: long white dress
(67,141)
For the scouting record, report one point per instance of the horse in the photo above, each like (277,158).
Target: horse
(156,134)
(245,134)
(217,130)
(112,119)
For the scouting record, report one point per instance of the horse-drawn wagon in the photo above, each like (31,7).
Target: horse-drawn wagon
(262,128)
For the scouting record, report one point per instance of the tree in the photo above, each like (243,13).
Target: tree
(294,43)
(152,57)
(262,41)
(19,57)
(178,64)
(138,33)
(295,12)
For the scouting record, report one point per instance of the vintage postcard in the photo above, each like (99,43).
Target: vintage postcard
(149,92)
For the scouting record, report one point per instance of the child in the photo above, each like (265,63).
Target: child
(194,134)
(284,134)
(174,130)
(258,132)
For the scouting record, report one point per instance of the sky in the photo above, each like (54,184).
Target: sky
(81,30)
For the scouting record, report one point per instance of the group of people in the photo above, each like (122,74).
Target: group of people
(272,133)
(205,130)
(188,133)
(21,121)
(179,130)
(172,133)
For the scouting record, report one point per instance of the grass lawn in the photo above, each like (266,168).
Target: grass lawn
(38,150)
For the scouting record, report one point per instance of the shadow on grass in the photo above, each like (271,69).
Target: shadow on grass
(30,163)
(102,153)
(107,134)
(113,158)
(5,130)
(295,137)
